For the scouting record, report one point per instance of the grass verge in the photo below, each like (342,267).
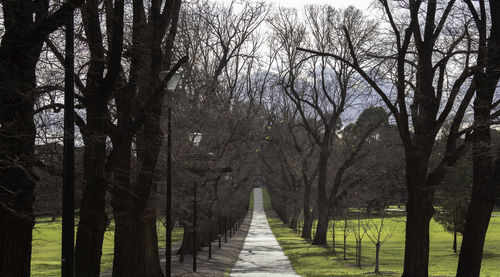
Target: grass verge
(250,207)
(310,260)
(46,247)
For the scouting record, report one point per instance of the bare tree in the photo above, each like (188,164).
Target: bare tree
(359,233)
(346,228)
(426,52)
(378,233)
(329,93)
(223,84)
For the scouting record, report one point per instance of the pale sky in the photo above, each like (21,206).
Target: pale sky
(360,4)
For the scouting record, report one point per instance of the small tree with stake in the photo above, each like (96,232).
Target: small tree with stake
(378,233)
(359,233)
(331,227)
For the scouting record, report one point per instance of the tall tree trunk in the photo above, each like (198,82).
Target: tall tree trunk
(484,189)
(93,218)
(322,201)
(295,216)
(486,171)
(419,212)
(307,226)
(149,149)
(148,261)
(377,255)
(187,241)
(17,184)
(17,145)
(125,250)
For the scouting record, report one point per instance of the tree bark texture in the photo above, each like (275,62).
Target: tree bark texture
(93,218)
(419,212)
(307,226)
(17,139)
(486,160)
(323,207)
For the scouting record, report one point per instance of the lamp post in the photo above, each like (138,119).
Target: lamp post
(68,216)
(171,85)
(195,246)
(195,139)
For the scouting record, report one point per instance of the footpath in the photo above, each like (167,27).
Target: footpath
(261,255)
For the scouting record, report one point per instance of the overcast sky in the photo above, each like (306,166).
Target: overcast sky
(360,4)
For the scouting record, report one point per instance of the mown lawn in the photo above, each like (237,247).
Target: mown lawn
(250,207)
(46,253)
(309,260)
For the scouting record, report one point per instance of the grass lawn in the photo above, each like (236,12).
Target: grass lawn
(46,253)
(250,207)
(309,260)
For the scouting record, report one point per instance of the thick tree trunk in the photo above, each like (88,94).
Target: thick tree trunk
(284,215)
(321,228)
(17,143)
(485,170)
(16,193)
(93,218)
(125,251)
(293,222)
(126,217)
(484,191)
(187,243)
(419,213)
(471,251)
(148,260)
(307,226)
(322,201)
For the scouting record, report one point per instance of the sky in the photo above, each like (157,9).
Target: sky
(360,4)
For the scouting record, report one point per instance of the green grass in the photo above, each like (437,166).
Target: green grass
(46,252)
(250,207)
(309,260)
(266,200)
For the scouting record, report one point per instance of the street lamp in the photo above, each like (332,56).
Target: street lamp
(195,139)
(171,86)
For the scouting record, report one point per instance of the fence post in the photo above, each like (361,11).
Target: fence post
(225,229)
(209,245)
(220,235)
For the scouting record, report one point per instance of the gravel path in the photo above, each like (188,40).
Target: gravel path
(261,254)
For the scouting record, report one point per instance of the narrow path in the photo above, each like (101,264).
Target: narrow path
(261,254)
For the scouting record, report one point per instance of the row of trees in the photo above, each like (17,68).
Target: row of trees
(431,64)
(420,79)
(126,54)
